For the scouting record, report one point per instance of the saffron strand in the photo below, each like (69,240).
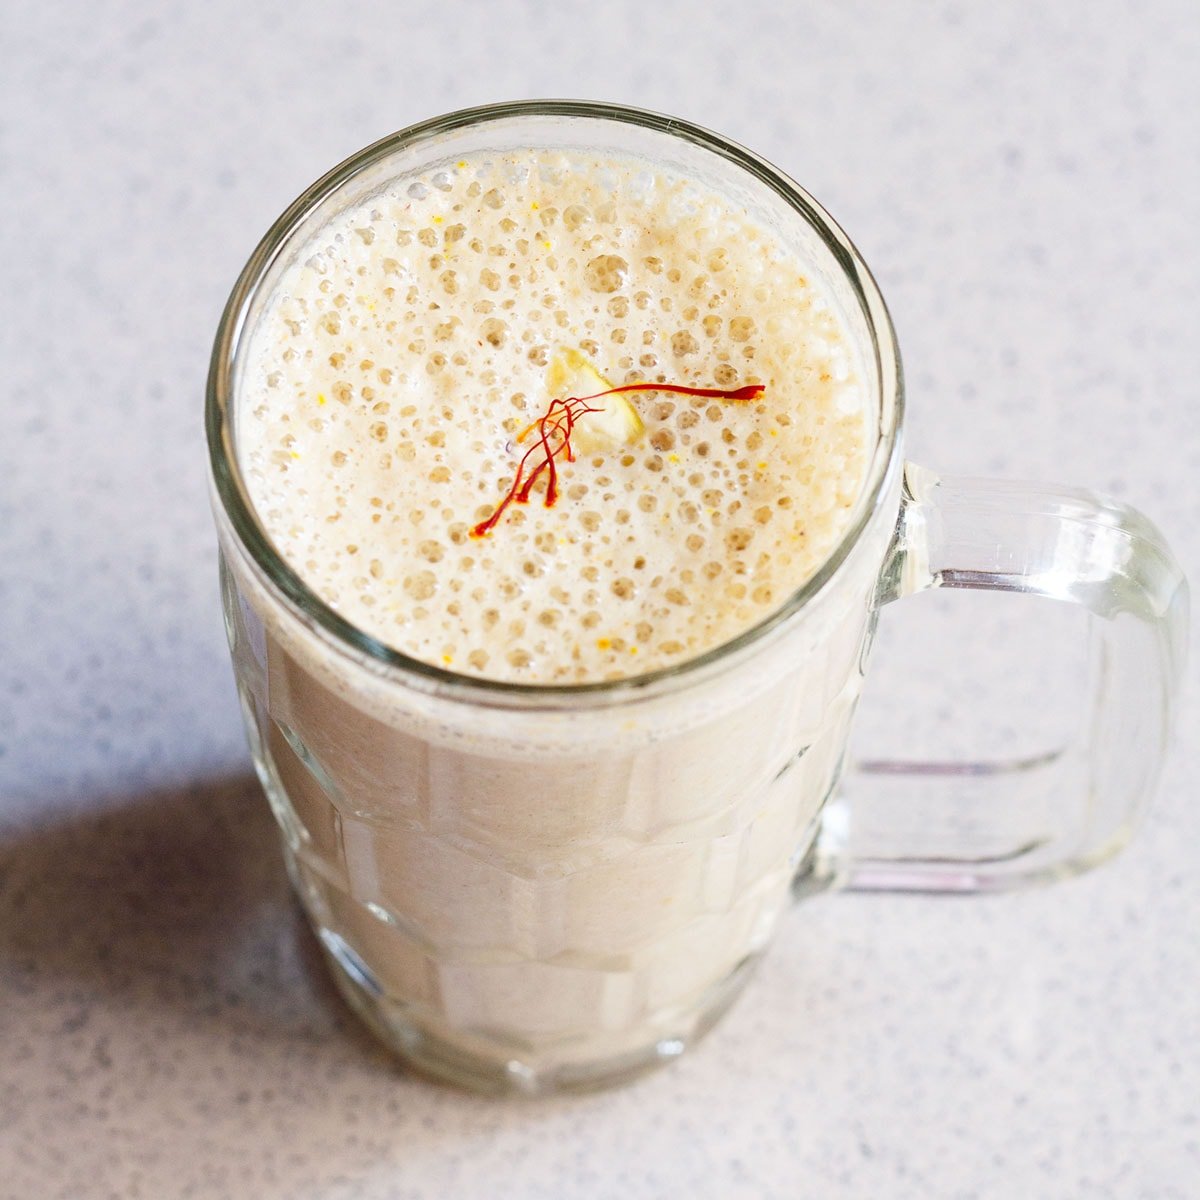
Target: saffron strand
(752,391)
(554,428)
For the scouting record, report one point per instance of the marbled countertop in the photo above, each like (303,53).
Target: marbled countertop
(1023,180)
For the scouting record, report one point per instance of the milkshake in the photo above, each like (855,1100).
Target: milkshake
(548,418)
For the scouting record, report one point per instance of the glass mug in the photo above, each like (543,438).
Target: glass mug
(541,887)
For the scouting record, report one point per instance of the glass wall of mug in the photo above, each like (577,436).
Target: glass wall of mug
(541,887)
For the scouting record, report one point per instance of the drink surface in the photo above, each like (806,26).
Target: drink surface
(389,391)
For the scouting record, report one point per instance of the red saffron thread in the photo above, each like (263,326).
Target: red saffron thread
(554,429)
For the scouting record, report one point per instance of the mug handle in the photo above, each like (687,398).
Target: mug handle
(988,826)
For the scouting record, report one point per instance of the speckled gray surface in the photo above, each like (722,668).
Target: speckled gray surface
(1024,188)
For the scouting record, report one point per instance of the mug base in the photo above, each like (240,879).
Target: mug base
(512,1074)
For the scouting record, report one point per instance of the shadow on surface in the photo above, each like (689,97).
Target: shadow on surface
(168,1028)
(175,899)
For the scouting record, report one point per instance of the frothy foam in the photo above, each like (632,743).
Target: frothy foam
(407,348)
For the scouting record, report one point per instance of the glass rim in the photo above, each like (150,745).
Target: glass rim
(307,605)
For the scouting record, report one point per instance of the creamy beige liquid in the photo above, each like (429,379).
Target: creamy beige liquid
(548,889)
(386,389)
